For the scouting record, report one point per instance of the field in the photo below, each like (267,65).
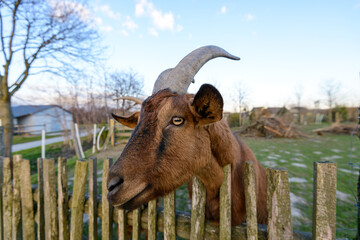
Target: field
(298,155)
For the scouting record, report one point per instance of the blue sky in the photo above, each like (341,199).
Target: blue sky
(283,45)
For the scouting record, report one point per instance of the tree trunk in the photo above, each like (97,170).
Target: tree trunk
(6,120)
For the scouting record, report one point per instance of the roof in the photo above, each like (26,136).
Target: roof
(24,110)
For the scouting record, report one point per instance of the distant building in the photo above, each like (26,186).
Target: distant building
(34,118)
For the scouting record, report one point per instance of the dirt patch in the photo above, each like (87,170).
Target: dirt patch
(110,152)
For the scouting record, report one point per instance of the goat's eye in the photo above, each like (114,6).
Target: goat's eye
(177,121)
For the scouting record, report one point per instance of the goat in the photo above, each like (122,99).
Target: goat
(178,136)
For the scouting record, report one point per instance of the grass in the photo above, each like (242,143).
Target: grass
(24,139)
(298,156)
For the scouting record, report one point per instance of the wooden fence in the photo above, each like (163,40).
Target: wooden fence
(43,212)
(119,134)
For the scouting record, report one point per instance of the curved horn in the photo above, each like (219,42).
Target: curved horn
(178,79)
(134,99)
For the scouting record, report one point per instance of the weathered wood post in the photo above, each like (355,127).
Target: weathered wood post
(40,203)
(152,220)
(27,206)
(122,231)
(78,199)
(197,209)
(93,199)
(63,200)
(324,206)
(169,217)
(278,204)
(51,230)
(250,201)
(7,199)
(136,224)
(16,207)
(225,205)
(1,187)
(107,209)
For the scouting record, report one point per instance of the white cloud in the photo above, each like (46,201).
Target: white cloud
(107,11)
(153,32)
(129,23)
(223,9)
(106,28)
(179,28)
(249,17)
(125,33)
(162,21)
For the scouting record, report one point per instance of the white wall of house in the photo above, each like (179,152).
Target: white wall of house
(55,119)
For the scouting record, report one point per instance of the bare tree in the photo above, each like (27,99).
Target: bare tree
(331,89)
(125,84)
(239,98)
(40,36)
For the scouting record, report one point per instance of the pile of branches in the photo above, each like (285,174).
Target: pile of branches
(272,127)
(337,129)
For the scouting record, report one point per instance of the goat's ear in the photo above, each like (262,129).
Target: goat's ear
(207,105)
(130,121)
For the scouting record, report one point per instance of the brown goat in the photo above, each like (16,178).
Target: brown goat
(178,136)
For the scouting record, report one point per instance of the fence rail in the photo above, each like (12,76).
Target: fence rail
(53,204)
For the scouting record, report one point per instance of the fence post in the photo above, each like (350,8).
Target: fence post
(40,202)
(152,220)
(76,145)
(28,224)
(92,199)
(278,204)
(7,199)
(94,140)
(250,201)
(2,150)
(1,196)
(225,205)
(63,201)
(169,217)
(324,206)
(43,138)
(16,207)
(78,200)
(106,223)
(136,224)
(77,132)
(112,137)
(197,209)
(122,231)
(51,230)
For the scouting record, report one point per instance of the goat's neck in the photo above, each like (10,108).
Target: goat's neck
(224,148)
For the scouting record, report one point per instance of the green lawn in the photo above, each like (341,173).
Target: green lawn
(24,139)
(298,155)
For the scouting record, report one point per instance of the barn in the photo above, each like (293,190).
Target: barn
(33,118)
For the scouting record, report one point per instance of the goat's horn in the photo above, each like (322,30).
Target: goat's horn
(178,79)
(134,99)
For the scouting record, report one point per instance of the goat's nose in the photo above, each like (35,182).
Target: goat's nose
(115,182)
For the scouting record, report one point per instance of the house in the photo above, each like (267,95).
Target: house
(34,118)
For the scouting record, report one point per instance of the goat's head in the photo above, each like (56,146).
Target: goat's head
(170,143)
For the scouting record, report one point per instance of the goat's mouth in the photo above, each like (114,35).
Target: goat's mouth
(136,199)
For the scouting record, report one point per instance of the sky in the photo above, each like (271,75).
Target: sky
(284,46)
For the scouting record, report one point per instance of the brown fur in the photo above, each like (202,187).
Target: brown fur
(161,156)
